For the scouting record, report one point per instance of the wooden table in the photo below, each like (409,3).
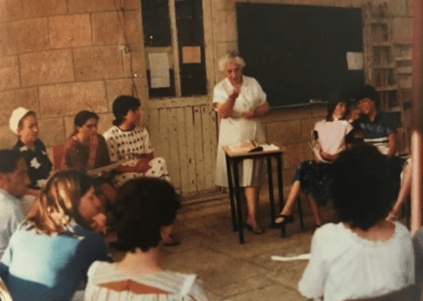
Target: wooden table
(233,158)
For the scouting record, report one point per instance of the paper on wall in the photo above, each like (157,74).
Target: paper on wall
(355,60)
(191,55)
(159,70)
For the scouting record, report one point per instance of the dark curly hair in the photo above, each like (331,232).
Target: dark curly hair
(142,207)
(9,159)
(122,105)
(369,92)
(362,188)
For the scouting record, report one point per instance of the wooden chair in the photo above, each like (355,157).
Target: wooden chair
(4,292)
(404,294)
(58,153)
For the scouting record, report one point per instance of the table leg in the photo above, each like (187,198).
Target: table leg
(238,201)
(231,192)
(271,196)
(280,190)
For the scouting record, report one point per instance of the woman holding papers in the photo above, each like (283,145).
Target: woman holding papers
(86,150)
(239,100)
(314,177)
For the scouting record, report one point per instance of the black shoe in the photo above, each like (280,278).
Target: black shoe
(286,219)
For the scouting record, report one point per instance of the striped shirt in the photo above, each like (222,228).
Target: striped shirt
(107,283)
(377,132)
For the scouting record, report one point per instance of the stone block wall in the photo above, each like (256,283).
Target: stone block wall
(58,57)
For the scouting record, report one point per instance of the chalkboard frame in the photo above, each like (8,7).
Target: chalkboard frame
(298,52)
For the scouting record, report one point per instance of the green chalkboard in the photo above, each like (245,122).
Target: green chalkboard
(298,52)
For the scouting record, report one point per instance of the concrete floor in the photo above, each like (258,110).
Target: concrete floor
(230,271)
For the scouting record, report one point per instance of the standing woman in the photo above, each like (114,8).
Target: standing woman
(23,123)
(239,100)
(50,253)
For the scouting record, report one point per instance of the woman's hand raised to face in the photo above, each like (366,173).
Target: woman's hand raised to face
(98,223)
(235,93)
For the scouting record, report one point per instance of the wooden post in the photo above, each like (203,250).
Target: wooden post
(416,136)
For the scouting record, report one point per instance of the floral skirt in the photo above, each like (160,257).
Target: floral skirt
(315,179)
(158,170)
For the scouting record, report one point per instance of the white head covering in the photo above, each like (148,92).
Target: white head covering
(17,115)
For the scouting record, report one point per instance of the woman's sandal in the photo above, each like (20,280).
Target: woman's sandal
(286,219)
(257,230)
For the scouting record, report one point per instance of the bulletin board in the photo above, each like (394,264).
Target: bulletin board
(298,52)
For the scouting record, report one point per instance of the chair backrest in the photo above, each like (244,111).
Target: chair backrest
(58,153)
(404,294)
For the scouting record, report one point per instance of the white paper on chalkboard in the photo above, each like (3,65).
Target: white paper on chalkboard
(355,60)
(159,70)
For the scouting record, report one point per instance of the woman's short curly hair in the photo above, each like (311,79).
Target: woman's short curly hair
(362,190)
(230,57)
(122,105)
(142,207)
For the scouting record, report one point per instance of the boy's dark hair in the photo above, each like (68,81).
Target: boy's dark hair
(122,105)
(362,188)
(142,207)
(9,159)
(370,92)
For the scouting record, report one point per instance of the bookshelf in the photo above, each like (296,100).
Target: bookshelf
(389,69)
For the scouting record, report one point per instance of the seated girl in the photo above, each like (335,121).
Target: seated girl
(86,150)
(24,124)
(364,255)
(50,253)
(145,208)
(314,177)
(128,142)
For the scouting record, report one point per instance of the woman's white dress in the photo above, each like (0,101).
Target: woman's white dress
(236,130)
(345,266)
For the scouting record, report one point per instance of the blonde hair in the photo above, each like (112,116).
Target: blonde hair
(230,57)
(58,203)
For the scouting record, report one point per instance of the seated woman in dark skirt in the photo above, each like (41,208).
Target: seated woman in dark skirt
(314,177)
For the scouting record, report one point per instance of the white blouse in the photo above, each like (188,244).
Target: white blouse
(346,266)
(332,135)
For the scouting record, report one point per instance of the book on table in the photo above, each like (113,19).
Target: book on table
(252,146)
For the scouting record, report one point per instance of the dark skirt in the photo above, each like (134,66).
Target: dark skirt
(315,179)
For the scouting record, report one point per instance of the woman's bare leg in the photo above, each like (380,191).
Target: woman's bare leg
(292,198)
(252,194)
(315,210)
(403,193)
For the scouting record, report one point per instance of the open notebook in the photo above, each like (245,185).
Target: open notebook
(252,146)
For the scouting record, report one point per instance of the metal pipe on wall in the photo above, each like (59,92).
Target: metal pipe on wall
(416,133)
